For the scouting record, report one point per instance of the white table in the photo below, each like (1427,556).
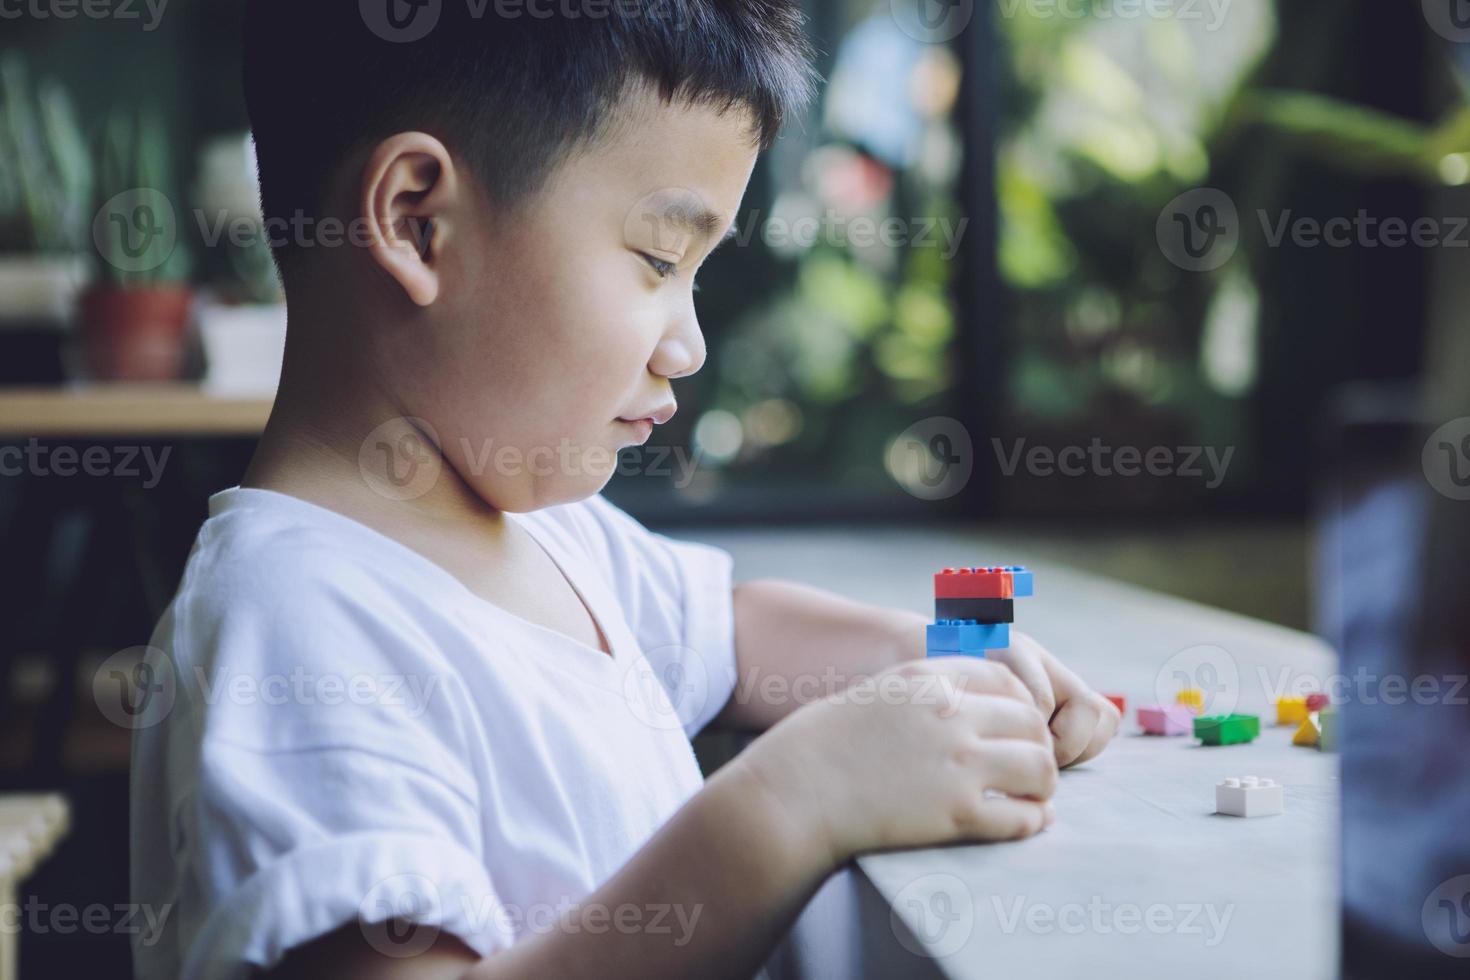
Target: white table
(1127,880)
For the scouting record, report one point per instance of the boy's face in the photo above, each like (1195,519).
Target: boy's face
(556,332)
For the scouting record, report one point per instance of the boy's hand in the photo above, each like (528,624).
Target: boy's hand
(1081,720)
(915,755)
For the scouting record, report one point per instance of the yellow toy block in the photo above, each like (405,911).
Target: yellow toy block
(1193,697)
(1308,734)
(1291,711)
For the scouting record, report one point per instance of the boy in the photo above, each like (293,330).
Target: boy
(432,695)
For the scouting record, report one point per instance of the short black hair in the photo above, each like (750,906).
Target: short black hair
(512,86)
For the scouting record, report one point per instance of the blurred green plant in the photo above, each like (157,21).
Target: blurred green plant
(136,228)
(45,173)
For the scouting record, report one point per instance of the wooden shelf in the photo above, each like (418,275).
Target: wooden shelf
(121,409)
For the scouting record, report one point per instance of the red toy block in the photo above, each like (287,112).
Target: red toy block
(1119,702)
(974,583)
(1316,702)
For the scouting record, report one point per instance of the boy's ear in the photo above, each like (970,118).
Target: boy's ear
(409,186)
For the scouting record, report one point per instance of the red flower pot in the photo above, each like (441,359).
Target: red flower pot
(135,334)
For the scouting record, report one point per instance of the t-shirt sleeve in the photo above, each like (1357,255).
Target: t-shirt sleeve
(678,599)
(328,787)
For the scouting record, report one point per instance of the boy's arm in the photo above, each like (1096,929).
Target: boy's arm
(795,644)
(731,869)
(709,895)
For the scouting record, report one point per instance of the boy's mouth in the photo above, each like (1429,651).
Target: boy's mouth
(642,423)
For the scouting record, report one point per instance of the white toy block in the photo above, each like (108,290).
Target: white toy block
(1248,796)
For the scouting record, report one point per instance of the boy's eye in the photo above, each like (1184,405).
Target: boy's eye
(663,268)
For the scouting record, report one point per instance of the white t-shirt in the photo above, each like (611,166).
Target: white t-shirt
(336,729)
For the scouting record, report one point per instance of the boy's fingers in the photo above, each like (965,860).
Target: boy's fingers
(1074,725)
(1025,662)
(1018,768)
(972,675)
(1107,727)
(1001,818)
(999,717)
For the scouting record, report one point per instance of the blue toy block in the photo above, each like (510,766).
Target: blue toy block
(1021,580)
(951,636)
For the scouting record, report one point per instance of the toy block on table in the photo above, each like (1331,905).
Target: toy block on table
(1316,702)
(974,583)
(1248,796)
(980,610)
(1327,725)
(965,636)
(1193,697)
(1307,733)
(1227,729)
(1119,702)
(1165,719)
(1291,711)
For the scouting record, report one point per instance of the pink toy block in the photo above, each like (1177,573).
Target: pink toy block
(1166,719)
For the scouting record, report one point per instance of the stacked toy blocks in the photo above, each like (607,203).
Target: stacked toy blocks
(974,609)
(1248,796)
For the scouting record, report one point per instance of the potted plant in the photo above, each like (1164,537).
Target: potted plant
(241,310)
(134,317)
(45,190)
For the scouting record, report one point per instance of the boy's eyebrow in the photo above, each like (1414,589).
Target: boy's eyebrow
(698,220)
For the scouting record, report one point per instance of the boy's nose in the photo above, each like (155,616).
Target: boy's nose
(681,352)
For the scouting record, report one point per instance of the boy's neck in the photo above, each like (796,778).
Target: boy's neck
(318,445)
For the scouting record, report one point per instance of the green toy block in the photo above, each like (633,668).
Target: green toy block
(1327,719)
(1227,729)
